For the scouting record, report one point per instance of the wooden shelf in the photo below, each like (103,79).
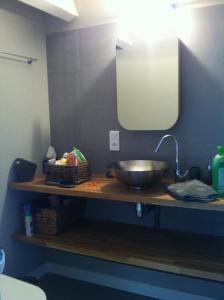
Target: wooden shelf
(176,252)
(104,188)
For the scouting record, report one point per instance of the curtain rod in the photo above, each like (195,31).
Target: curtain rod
(17,57)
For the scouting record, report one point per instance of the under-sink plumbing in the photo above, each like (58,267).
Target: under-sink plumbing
(139,210)
(142,209)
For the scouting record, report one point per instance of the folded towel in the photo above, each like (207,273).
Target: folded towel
(193,190)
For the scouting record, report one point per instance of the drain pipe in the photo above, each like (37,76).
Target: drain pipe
(141,209)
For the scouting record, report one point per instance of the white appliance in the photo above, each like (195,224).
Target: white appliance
(14,289)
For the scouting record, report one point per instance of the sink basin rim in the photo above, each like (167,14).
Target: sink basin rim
(150,165)
(139,179)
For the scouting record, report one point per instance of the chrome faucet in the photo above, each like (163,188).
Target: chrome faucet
(178,175)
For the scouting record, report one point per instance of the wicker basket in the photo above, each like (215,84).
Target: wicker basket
(53,220)
(77,175)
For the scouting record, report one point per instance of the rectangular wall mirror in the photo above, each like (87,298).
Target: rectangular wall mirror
(148,84)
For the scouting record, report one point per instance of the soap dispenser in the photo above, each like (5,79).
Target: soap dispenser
(218,171)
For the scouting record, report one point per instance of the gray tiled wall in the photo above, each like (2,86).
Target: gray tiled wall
(83,91)
(82,85)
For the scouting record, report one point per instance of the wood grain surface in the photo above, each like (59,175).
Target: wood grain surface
(176,252)
(104,188)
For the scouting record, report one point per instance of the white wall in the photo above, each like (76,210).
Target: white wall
(24,119)
(91,13)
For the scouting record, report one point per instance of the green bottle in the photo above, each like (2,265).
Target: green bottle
(79,154)
(218,172)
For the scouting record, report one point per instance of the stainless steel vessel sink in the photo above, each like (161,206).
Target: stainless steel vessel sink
(138,174)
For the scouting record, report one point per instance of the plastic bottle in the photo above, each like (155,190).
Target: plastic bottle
(79,155)
(208,174)
(218,171)
(50,155)
(28,219)
(2,261)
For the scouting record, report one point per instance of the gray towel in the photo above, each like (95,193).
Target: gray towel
(193,190)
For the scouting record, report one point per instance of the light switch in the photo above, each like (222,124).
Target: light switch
(114,140)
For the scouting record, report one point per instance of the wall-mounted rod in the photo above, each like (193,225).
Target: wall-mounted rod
(16,57)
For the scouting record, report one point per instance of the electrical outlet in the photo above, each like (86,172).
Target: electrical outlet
(114,140)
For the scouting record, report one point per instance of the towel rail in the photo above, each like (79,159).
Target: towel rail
(17,57)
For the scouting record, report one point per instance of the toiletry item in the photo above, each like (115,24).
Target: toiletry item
(2,261)
(65,155)
(52,161)
(83,159)
(79,155)
(208,173)
(28,219)
(50,155)
(218,171)
(71,159)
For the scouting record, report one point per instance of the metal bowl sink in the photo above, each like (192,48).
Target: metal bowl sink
(139,174)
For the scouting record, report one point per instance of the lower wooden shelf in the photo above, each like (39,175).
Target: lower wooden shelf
(176,252)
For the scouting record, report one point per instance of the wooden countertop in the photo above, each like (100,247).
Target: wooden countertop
(101,187)
(176,252)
